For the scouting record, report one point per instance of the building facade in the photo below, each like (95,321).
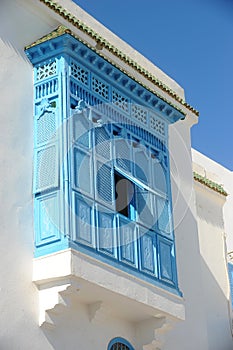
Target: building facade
(113,230)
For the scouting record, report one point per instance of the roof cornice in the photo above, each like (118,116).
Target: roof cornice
(115,51)
(209,183)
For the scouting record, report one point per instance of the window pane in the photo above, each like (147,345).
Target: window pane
(164,215)
(146,211)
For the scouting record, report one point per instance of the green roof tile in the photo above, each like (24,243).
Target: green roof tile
(80,25)
(209,183)
(54,34)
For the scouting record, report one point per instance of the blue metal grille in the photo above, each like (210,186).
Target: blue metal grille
(119,346)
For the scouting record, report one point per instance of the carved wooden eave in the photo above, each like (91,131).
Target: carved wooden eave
(54,42)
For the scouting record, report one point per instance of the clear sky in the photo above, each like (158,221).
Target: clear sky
(192,41)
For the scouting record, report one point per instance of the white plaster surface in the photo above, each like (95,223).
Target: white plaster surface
(215,291)
(18,296)
(191,334)
(223,176)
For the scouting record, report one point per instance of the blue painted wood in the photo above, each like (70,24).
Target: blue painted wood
(83,222)
(123,154)
(127,241)
(109,74)
(106,232)
(79,73)
(104,183)
(148,253)
(81,131)
(92,121)
(82,166)
(47,219)
(145,207)
(166,256)
(164,216)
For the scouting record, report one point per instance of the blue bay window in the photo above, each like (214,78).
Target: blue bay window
(102,181)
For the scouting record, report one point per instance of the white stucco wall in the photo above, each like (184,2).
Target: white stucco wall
(215,291)
(191,334)
(223,176)
(199,215)
(201,270)
(214,216)
(19,300)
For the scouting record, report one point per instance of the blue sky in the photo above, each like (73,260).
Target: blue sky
(192,41)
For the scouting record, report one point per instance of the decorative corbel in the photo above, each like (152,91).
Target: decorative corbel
(151,333)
